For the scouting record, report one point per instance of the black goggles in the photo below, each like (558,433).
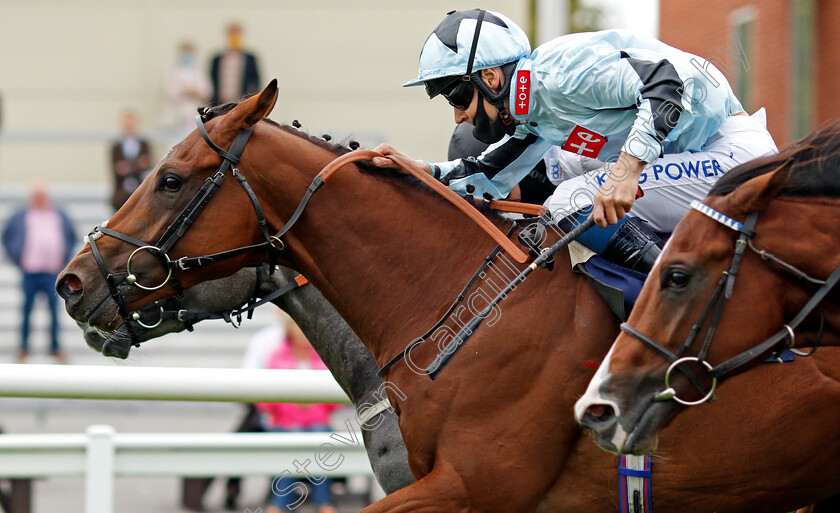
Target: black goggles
(457,92)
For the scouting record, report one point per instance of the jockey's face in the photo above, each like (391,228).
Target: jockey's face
(494,79)
(468,115)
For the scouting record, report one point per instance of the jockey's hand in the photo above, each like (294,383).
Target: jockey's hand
(616,196)
(385,162)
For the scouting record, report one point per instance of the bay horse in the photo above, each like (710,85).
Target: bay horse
(343,353)
(495,430)
(770,223)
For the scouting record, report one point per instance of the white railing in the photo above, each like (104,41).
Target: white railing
(169,384)
(101,454)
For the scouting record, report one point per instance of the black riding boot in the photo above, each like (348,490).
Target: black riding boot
(634,245)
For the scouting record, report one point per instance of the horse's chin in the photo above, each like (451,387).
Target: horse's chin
(643,436)
(94,337)
(118,345)
(115,344)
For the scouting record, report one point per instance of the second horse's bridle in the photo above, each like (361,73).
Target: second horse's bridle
(716,304)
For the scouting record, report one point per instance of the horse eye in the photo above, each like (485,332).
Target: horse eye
(171,184)
(676,279)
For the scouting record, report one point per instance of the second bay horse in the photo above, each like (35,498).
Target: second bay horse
(749,271)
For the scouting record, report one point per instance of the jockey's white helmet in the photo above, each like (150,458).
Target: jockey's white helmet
(469,41)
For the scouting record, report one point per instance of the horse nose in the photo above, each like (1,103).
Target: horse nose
(599,418)
(70,287)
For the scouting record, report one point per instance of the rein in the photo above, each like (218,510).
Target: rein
(722,293)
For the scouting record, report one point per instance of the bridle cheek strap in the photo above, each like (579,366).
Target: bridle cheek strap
(785,333)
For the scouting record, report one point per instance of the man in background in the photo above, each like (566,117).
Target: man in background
(130,159)
(234,72)
(40,240)
(187,87)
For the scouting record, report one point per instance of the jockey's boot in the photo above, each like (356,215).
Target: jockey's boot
(633,245)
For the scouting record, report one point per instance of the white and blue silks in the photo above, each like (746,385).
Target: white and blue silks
(644,97)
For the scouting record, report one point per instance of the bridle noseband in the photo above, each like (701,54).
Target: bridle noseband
(716,304)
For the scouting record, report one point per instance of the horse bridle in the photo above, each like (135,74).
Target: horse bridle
(170,309)
(272,244)
(716,304)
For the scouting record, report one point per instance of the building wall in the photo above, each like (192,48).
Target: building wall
(705,30)
(70,69)
(828,61)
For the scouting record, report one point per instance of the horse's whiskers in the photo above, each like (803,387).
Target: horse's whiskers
(118,336)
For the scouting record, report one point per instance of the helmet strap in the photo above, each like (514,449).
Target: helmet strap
(497,99)
(488,131)
(478,21)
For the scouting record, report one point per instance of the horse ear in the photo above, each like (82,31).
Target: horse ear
(754,194)
(250,111)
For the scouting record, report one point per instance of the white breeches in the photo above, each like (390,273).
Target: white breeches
(671,182)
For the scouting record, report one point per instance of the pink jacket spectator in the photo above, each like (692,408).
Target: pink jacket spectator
(291,416)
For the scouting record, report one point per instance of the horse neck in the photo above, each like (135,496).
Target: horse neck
(797,230)
(387,255)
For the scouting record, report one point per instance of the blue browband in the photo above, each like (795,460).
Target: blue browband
(717,216)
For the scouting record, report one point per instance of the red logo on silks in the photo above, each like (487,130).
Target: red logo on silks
(523,91)
(585,142)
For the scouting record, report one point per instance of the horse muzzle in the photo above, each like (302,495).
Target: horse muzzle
(86,297)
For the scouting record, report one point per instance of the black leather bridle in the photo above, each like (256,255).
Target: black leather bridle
(272,244)
(716,304)
(171,309)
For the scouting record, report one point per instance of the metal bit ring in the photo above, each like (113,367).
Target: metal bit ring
(132,279)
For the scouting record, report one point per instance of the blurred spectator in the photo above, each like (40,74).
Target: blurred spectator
(234,72)
(130,158)
(40,241)
(293,351)
(260,348)
(535,187)
(187,87)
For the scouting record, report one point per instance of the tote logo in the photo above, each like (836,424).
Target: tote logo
(523,91)
(584,142)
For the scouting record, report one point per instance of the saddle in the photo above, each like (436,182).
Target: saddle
(619,286)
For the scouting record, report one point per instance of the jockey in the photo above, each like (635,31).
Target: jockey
(619,110)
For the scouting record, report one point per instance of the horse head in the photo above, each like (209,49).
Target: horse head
(694,322)
(136,250)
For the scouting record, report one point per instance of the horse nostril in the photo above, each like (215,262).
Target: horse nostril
(598,415)
(69,286)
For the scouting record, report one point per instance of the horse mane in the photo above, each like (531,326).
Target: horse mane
(341,148)
(815,166)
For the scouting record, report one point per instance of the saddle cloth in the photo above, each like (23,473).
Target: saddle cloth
(618,285)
